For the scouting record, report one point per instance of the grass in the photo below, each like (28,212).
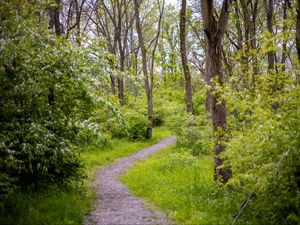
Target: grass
(95,158)
(68,207)
(56,207)
(182,185)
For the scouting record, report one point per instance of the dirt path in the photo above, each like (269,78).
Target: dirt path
(114,204)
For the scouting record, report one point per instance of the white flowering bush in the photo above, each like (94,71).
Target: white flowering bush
(44,90)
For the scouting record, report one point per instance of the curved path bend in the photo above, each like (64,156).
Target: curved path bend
(114,204)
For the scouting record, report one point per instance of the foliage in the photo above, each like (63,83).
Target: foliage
(44,93)
(69,206)
(265,160)
(192,132)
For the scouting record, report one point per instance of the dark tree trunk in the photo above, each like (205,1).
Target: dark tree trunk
(252,32)
(284,44)
(54,24)
(269,8)
(214,31)
(121,81)
(112,84)
(298,30)
(186,70)
(150,114)
(219,112)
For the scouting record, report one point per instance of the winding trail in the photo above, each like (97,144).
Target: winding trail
(114,204)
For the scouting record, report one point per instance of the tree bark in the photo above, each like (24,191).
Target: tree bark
(298,30)
(214,31)
(120,79)
(145,69)
(54,23)
(249,9)
(284,44)
(269,8)
(186,70)
(255,70)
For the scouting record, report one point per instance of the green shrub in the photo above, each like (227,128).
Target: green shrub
(44,91)
(265,160)
(158,118)
(137,125)
(116,129)
(192,133)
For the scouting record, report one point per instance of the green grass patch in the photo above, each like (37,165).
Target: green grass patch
(56,207)
(183,186)
(93,158)
(69,206)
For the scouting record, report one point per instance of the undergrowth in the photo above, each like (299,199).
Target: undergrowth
(66,206)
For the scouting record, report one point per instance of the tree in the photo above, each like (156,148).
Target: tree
(269,8)
(214,30)
(298,30)
(114,21)
(148,70)
(249,12)
(184,60)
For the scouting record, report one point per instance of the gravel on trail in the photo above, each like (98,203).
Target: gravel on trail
(114,204)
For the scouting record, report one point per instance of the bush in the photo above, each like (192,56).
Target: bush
(43,93)
(158,118)
(137,124)
(37,157)
(192,133)
(265,160)
(115,129)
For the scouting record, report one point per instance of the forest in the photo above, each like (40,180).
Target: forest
(150,112)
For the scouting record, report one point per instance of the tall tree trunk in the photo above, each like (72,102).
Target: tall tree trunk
(269,8)
(298,30)
(148,89)
(284,47)
(214,31)
(54,24)
(255,69)
(249,9)
(246,46)
(186,70)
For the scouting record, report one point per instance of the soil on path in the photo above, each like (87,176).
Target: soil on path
(114,204)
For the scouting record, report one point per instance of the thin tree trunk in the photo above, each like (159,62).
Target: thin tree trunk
(284,47)
(186,70)
(121,81)
(145,69)
(112,84)
(269,8)
(298,30)
(252,32)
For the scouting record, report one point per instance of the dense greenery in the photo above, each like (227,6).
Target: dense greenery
(76,91)
(69,205)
